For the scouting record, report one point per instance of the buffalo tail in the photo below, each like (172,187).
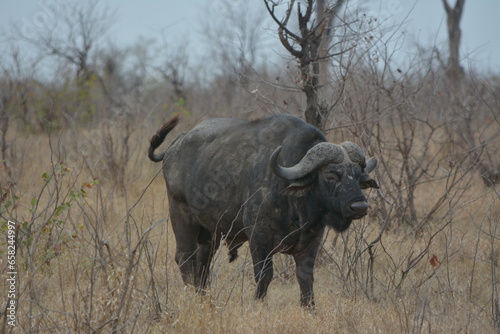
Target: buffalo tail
(159,137)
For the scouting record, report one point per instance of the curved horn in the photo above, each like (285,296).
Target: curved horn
(355,153)
(317,156)
(370,165)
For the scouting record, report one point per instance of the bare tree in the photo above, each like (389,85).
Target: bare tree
(453,15)
(310,46)
(16,94)
(465,109)
(323,12)
(235,38)
(71,33)
(173,71)
(235,44)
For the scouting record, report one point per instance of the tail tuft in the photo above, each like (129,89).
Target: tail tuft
(159,137)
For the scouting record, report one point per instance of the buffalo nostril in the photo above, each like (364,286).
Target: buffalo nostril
(359,207)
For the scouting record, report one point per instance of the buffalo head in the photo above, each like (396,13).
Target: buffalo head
(331,177)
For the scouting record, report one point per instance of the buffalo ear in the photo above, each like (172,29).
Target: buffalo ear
(297,189)
(366,183)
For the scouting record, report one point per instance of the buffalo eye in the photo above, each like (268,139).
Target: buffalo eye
(333,176)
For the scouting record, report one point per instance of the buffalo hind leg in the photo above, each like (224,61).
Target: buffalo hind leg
(186,260)
(208,245)
(186,235)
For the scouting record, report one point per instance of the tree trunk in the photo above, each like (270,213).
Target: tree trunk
(309,63)
(454,71)
(313,52)
(328,14)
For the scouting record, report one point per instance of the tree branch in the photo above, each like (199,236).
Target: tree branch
(282,25)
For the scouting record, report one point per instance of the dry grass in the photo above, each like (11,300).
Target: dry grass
(105,263)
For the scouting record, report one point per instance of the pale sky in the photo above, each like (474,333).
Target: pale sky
(181,21)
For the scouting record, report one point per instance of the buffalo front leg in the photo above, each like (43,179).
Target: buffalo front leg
(263,271)
(305,277)
(304,271)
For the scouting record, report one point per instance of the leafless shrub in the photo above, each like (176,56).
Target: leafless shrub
(433,147)
(75,273)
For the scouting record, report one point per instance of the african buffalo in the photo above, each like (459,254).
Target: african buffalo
(275,182)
